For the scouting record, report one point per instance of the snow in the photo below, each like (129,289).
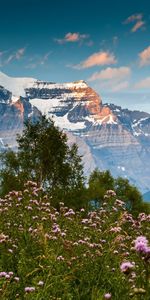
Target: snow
(117,110)
(64,123)
(14,99)
(94,120)
(48,107)
(68,85)
(16,85)
(135,133)
(139,130)
(139,121)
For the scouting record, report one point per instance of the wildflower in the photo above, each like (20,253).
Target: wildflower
(40,283)
(141,244)
(126,267)
(29,289)
(84,221)
(16,279)
(115,229)
(107,296)
(82,209)
(3,274)
(10,250)
(60,257)
(70,212)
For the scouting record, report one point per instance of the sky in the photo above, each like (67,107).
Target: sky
(106,43)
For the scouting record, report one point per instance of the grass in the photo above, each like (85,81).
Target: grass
(49,254)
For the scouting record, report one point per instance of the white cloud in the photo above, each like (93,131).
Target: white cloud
(145,57)
(114,79)
(17,55)
(138,21)
(36,61)
(72,38)
(111,73)
(120,86)
(143,84)
(97,59)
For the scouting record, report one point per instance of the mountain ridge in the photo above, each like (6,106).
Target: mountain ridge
(108,136)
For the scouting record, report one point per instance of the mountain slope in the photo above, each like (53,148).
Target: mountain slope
(108,137)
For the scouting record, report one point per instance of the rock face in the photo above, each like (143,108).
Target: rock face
(14,111)
(108,136)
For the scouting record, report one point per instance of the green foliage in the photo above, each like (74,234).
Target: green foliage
(130,194)
(100,182)
(44,157)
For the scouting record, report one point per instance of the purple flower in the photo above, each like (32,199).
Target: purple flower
(141,244)
(3,274)
(125,267)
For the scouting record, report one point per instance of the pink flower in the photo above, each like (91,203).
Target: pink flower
(126,267)
(107,296)
(29,289)
(141,244)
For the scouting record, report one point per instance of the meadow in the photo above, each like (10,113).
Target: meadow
(48,253)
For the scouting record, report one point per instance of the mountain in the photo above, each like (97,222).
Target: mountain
(108,136)
(14,111)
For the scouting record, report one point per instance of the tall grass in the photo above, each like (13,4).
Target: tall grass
(65,254)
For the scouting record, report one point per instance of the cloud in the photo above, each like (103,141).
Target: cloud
(120,86)
(72,38)
(97,59)
(138,25)
(111,74)
(138,21)
(145,57)
(45,58)
(36,61)
(133,18)
(114,79)
(143,84)
(17,55)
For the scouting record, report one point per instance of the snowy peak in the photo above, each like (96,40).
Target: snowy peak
(73,105)
(137,122)
(16,85)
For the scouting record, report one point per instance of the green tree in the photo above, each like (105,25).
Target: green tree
(131,195)
(99,182)
(43,156)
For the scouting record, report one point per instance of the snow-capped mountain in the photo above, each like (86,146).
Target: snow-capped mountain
(108,136)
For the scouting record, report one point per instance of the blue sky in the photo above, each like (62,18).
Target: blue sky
(106,43)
